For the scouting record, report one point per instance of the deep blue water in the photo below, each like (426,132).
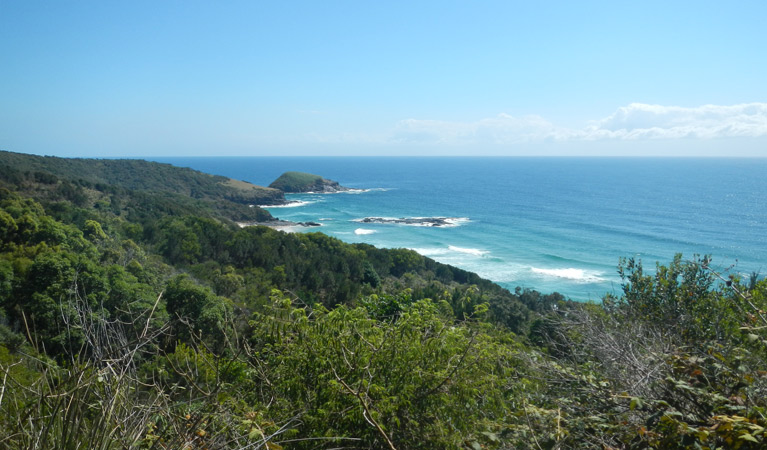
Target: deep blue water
(552,224)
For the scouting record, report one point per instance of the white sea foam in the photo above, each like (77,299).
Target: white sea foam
(287,228)
(470,251)
(433,251)
(353,191)
(449,222)
(290,204)
(362,231)
(373,190)
(501,273)
(457,221)
(571,273)
(350,191)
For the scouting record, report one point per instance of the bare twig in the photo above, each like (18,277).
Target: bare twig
(366,409)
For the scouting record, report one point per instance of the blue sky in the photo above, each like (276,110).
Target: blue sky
(173,78)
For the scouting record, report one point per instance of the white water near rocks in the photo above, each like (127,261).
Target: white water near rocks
(551,224)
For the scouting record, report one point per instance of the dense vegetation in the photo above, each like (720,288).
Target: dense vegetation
(304,182)
(133,318)
(138,175)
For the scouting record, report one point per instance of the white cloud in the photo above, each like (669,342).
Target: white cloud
(640,121)
(636,121)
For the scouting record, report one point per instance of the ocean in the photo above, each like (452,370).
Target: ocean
(550,224)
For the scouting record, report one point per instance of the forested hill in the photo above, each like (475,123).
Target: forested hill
(188,226)
(293,182)
(135,174)
(138,318)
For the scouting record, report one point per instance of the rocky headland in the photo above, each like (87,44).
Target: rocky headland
(300,182)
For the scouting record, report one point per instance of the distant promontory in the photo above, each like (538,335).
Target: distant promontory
(300,182)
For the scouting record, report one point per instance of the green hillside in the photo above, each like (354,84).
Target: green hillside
(145,318)
(135,174)
(296,182)
(135,187)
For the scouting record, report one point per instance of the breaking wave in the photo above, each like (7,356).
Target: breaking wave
(571,273)
(289,204)
(432,251)
(470,251)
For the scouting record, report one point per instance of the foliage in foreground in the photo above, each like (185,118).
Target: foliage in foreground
(677,362)
(371,377)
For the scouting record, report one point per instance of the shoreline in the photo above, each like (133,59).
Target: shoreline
(281,225)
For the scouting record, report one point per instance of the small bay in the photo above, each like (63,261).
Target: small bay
(551,224)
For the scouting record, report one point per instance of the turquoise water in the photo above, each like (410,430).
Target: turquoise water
(552,224)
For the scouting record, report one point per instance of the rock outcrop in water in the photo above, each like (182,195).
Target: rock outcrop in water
(300,182)
(280,224)
(417,221)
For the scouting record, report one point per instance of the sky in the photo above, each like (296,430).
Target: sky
(264,78)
